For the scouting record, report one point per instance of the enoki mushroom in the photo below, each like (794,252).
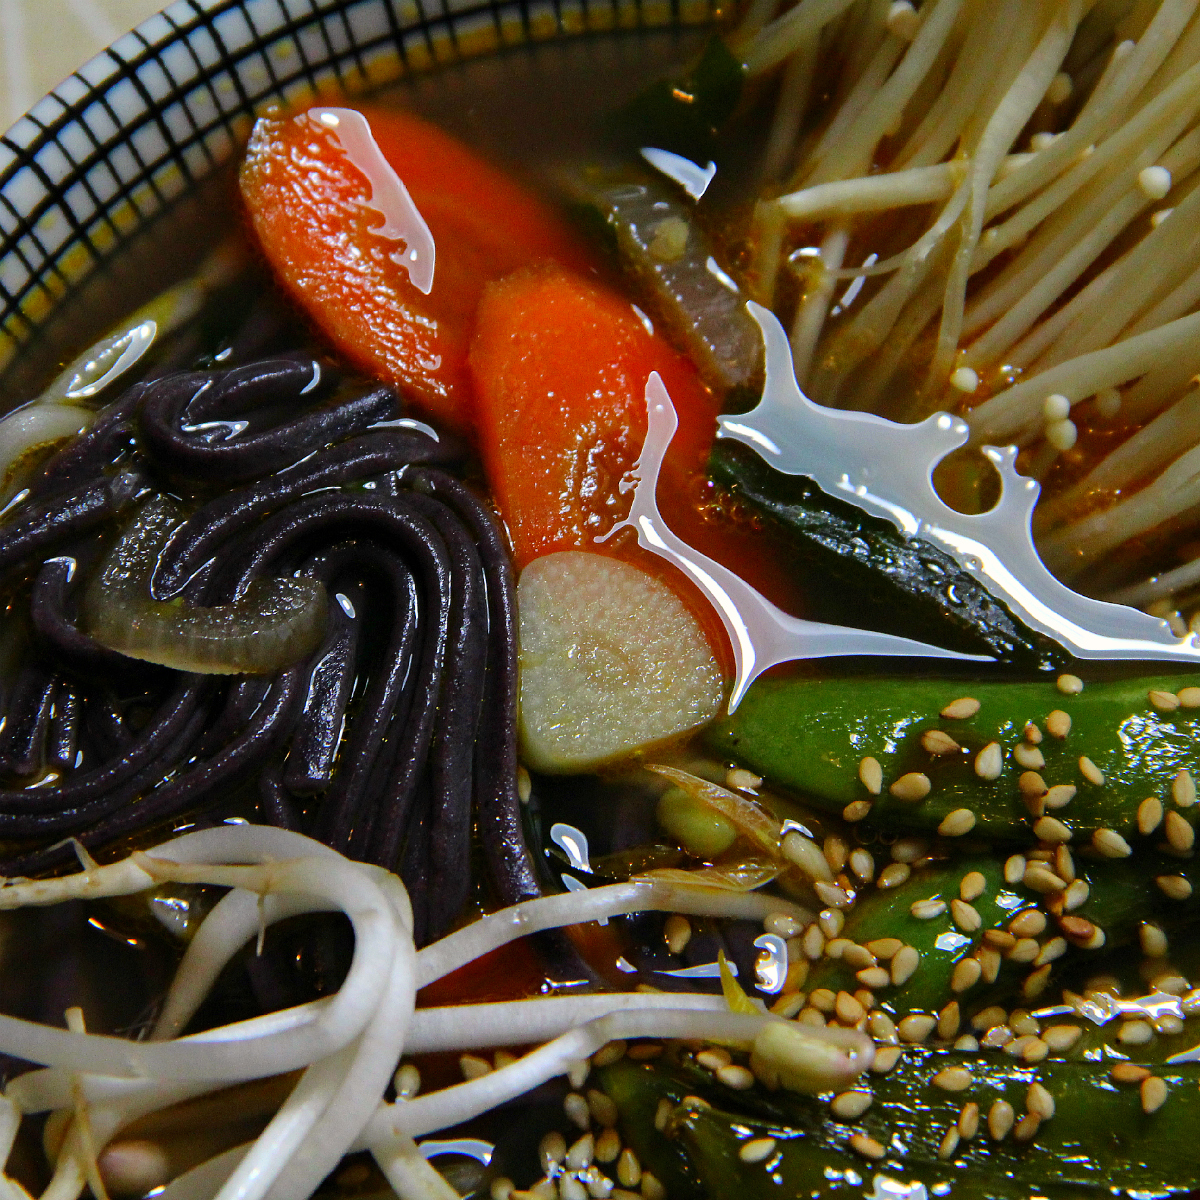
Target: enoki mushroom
(347,1046)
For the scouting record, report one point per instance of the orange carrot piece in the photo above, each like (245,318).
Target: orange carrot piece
(311,207)
(560,367)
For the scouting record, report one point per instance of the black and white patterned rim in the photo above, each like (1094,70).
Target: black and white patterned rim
(166,105)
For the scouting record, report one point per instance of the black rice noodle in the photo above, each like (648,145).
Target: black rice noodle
(386,743)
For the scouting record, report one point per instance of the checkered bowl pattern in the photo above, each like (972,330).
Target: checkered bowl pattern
(163,108)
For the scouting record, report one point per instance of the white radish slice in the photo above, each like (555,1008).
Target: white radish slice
(611,661)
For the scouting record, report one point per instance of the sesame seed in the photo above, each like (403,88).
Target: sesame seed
(873,977)
(662,1114)
(953,1079)
(1060,795)
(1035,982)
(868,1147)
(524,785)
(957,823)
(989,762)
(1029,922)
(836,947)
(935,741)
(862,864)
(1000,1120)
(552,1148)
(1022,1021)
(407,1081)
(882,1028)
(949,1144)
(1014,868)
(996,1039)
(909,850)
(1076,894)
(1016,1047)
(629,1169)
(856,810)
(1040,878)
(822,999)
(1061,1038)
(832,895)
(967,1044)
(870,775)
(835,851)
(988,1018)
(1180,835)
(1163,701)
(579,1155)
(812,942)
(1038,1100)
(1127,1072)
(788,1005)
(831,922)
(1029,757)
(886,1057)
(912,787)
(473,1067)
(851,1105)
(783,925)
(1069,685)
(961,709)
(1032,734)
(1177,887)
(968,1120)
(1051,829)
(916,1027)
(1183,788)
(966,974)
(677,932)
(972,885)
(893,875)
(577,1110)
(884,947)
(856,957)
(924,910)
(608,1146)
(810,1016)
(999,939)
(756,1150)
(736,1077)
(904,962)
(714,1058)
(965,916)
(1189,697)
(742,780)
(502,1188)
(1135,1033)
(1090,771)
(949,1020)
(1026,1128)
(1058,724)
(651,1188)
(1054,948)
(807,855)
(848,1010)
(1154,1094)
(1153,940)
(1149,814)
(1064,864)
(1034,1050)
(608,1054)
(1082,932)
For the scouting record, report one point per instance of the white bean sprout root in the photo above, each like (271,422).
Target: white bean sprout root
(347,1046)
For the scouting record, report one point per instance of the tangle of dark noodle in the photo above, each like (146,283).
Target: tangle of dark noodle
(386,742)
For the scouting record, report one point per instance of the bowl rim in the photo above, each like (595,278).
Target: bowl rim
(140,125)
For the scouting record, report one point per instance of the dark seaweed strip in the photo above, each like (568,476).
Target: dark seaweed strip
(62,745)
(38,529)
(181,425)
(29,709)
(416,868)
(274,800)
(314,745)
(373,453)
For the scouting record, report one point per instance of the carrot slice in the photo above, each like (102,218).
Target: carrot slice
(560,367)
(311,193)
